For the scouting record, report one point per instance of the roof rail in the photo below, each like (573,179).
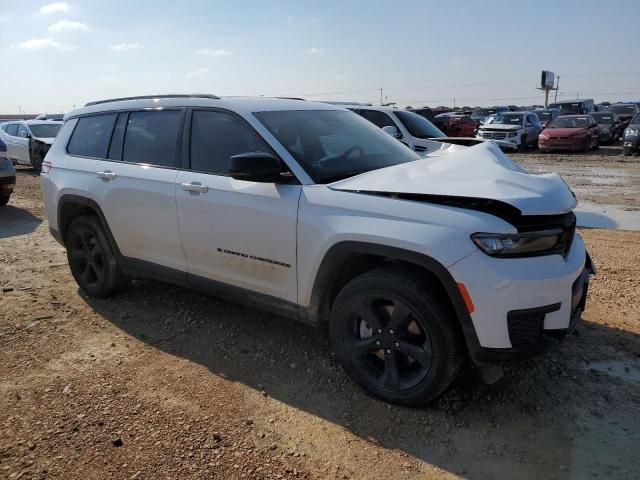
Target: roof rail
(148,97)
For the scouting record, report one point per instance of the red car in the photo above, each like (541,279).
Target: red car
(570,132)
(454,125)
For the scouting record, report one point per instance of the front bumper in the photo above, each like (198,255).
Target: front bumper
(632,142)
(577,144)
(523,306)
(7,185)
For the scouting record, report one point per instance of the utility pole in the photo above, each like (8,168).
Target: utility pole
(555,100)
(20,110)
(381,96)
(454,103)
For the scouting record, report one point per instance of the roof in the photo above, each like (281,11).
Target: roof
(34,122)
(240,104)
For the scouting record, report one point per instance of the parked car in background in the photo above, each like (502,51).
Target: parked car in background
(570,107)
(456,125)
(307,210)
(626,111)
(425,112)
(570,132)
(519,128)
(29,141)
(609,126)
(7,175)
(415,131)
(631,139)
(546,115)
(58,117)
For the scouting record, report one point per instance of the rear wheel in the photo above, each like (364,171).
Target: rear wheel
(626,151)
(92,260)
(394,337)
(36,163)
(4,201)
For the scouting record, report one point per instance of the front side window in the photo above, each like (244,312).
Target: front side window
(23,132)
(151,137)
(379,119)
(91,136)
(419,126)
(216,137)
(49,130)
(333,144)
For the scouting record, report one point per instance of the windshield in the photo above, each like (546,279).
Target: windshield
(623,109)
(569,122)
(479,114)
(544,116)
(331,144)
(419,126)
(568,107)
(507,119)
(49,130)
(603,118)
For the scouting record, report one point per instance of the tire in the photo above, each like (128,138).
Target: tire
(4,200)
(626,151)
(523,145)
(92,259)
(374,355)
(36,164)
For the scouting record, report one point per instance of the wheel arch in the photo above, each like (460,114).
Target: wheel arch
(72,206)
(345,260)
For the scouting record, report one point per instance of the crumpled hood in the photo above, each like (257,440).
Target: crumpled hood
(496,126)
(481,172)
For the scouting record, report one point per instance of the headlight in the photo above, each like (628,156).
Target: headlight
(517,244)
(632,132)
(544,137)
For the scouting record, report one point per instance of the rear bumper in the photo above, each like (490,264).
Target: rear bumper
(7,185)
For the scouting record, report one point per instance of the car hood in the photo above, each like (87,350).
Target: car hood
(494,126)
(563,132)
(48,141)
(478,172)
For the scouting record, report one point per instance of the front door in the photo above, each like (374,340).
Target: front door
(236,232)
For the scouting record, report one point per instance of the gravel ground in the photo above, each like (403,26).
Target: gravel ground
(163,383)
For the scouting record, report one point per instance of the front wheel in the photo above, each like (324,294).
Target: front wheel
(626,151)
(395,337)
(92,260)
(4,201)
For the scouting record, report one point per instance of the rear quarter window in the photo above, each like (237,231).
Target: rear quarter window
(91,136)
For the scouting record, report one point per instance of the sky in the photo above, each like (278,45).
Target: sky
(59,54)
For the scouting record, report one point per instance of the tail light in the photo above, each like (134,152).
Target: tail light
(46,167)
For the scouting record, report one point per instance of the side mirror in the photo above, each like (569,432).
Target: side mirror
(255,167)
(393,131)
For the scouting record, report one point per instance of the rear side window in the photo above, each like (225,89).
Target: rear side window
(216,137)
(22,131)
(91,136)
(151,138)
(12,129)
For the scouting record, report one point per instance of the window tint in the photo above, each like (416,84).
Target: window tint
(12,129)
(23,131)
(151,138)
(91,136)
(379,119)
(216,137)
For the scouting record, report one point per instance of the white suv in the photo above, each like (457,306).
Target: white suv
(29,141)
(309,210)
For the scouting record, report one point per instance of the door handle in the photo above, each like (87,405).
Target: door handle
(107,175)
(195,187)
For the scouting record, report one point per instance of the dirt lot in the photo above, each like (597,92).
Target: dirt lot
(163,383)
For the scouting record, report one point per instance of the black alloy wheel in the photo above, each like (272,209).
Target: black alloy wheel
(394,337)
(86,258)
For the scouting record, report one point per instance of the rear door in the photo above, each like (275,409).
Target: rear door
(133,181)
(236,232)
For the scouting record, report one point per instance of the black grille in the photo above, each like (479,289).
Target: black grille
(526,326)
